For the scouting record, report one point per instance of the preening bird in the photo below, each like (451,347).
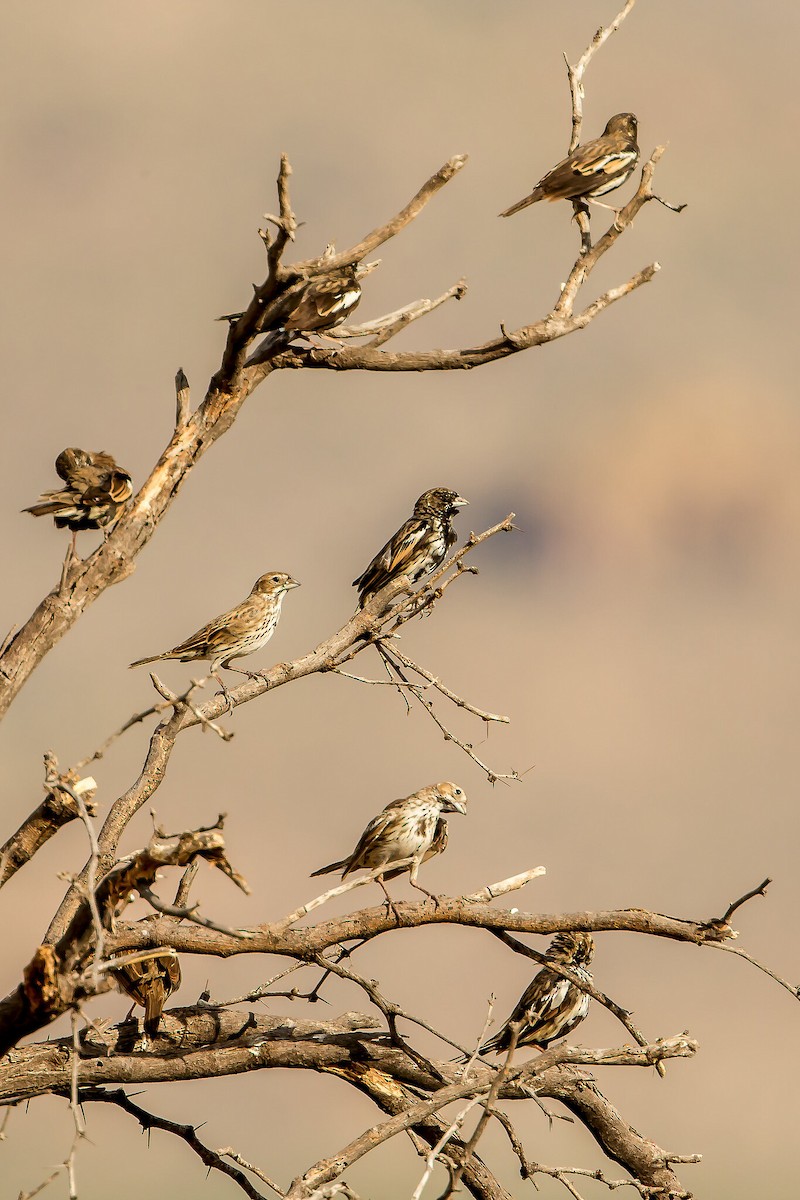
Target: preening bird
(242,630)
(414,828)
(419,546)
(326,301)
(95,493)
(592,169)
(150,982)
(551,1006)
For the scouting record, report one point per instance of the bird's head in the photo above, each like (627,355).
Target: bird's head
(275,584)
(440,501)
(573,949)
(452,798)
(624,123)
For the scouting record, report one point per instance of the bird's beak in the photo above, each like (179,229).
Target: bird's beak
(364,268)
(291,583)
(459,502)
(455,806)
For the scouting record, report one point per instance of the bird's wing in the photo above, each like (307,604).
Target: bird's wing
(215,634)
(397,554)
(602,162)
(370,838)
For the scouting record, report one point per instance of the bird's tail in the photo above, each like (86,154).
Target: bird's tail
(140,662)
(535,195)
(47,509)
(486,1048)
(331,867)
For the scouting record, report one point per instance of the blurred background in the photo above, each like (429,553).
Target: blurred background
(640,630)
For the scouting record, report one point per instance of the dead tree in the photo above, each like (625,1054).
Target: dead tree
(89,942)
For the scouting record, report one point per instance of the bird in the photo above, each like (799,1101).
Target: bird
(234,634)
(150,981)
(419,546)
(551,1006)
(592,169)
(414,828)
(96,492)
(324,303)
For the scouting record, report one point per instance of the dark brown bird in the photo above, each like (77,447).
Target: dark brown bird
(95,494)
(150,982)
(592,169)
(242,630)
(413,828)
(326,302)
(419,546)
(551,1006)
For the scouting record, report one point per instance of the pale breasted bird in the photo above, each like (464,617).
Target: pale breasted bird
(592,169)
(234,634)
(551,1006)
(95,493)
(414,828)
(419,546)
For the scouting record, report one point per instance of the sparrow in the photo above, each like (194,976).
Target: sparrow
(242,630)
(95,494)
(414,828)
(592,169)
(551,1006)
(419,546)
(150,983)
(326,302)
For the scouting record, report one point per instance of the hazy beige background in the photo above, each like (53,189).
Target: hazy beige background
(642,629)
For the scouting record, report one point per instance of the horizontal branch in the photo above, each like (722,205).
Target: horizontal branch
(373,922)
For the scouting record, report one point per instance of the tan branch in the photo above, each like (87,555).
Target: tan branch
(56,810)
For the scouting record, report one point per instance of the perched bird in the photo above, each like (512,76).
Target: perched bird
(326,302)
(551,1006)
(419,546)
(592,169)
(150,982)
(95,494)
(413,828)
(242,630)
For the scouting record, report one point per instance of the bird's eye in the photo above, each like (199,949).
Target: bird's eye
(459,792)
(275,579)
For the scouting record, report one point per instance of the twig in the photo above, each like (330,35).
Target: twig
(213,1159)
(340,890)
(182,401)
(91,876)
(761,890)
(435,682)
(492,775)
(512,884)
(394,323)
(190,914)
(137,719)
(575,73)
(790,987)
(258,993)
(397,223)
(177,701)
(229,1152)
(488,1109)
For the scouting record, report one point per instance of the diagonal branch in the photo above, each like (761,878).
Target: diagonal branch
(212,1159)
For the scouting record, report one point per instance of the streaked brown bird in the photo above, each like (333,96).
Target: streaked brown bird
(419,546)
(242,630)
(592,169)
(150,982)
(326,302)
(551,1006)
(414,828)
(95,494)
